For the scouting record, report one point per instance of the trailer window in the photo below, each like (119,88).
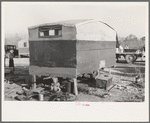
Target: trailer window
(25,44)
(51,31)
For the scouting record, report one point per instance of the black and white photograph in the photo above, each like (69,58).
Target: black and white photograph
(79,54)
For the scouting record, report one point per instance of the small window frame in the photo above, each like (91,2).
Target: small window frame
(24,44)
(54,27)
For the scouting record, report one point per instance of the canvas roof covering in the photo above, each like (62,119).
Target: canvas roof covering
(70,23)
(81,29)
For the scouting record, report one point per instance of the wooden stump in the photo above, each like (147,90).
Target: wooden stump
(75,86)
(33,81)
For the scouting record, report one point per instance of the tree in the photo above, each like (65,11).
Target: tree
(142,39)
(12,39)
(133,42)
(131,37)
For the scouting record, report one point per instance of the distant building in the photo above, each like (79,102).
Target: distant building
(23,48)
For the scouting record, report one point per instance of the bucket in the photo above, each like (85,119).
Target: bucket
(41,97)
(68,87)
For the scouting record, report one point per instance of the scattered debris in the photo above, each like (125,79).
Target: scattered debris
(122,89)
(103,81)
(111,87)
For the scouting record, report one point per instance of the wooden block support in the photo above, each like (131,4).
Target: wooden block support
(103,81)
(33,81)
(75,86)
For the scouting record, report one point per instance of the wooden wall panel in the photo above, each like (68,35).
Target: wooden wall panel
(89,55)
(83,56)
(53,53)
(88,61)
(53,71)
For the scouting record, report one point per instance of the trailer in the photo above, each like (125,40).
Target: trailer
(23,48)
(70,48)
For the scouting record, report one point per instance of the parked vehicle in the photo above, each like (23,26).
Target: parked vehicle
(130,55)
(143,53)
(11,47)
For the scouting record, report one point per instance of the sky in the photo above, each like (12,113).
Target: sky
(125,17)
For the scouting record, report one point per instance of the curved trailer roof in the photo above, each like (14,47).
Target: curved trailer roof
(84,29)
(70,23)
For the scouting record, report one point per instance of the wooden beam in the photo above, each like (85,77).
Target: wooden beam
(75,86)
(53,71)
(33,81)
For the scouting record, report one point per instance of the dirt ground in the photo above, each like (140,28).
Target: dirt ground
(125,88)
